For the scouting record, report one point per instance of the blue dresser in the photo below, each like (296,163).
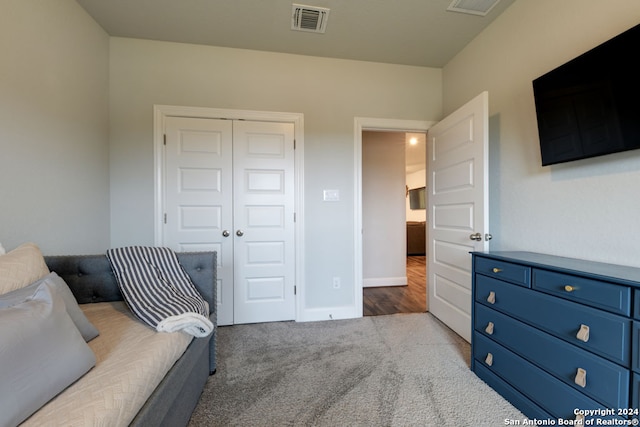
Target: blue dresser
(557,337)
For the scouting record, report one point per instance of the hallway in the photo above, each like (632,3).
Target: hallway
(399,299)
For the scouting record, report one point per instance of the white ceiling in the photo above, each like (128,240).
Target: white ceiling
(408,32)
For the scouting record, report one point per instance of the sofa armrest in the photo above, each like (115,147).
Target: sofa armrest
(201,267)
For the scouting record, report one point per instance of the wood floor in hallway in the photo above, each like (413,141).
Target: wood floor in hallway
(400,299)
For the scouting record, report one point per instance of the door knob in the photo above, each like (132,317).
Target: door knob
(239,233)
(225,233)
(476,236)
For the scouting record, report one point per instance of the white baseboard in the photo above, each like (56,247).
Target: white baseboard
(331,313)
(384,281)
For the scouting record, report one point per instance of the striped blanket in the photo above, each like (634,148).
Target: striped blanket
(158,290)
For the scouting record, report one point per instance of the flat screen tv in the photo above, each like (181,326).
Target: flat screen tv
(417,198)
(590,106)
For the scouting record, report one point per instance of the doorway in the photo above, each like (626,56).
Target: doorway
(394,217)
(374,124)
(463,133)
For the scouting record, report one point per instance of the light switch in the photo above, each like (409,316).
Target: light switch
(331,195)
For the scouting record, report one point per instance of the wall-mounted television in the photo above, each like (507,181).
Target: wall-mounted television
(417,198)
(590,106)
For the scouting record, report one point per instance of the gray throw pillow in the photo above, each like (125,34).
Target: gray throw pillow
(85,327)
(41,354)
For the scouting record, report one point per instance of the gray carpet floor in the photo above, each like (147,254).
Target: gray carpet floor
(397,370)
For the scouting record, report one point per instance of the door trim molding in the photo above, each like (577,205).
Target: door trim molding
(376,124)
(160,112)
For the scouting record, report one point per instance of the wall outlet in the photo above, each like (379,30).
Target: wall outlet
(336,283)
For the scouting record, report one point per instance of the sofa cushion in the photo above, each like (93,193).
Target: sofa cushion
(41,353)
(87,330)
(131,360)
(21,267)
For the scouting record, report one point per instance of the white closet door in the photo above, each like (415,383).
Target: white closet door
(264,254)
(229,187)
(198,195)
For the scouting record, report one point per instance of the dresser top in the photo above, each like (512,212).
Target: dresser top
(597,270)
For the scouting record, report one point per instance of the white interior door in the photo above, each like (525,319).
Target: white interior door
(199,196)
(458,215)
(264,254)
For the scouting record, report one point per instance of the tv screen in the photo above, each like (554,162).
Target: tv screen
(590,106)
(417,199)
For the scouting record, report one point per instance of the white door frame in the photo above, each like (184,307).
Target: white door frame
(162,111)
(373,124)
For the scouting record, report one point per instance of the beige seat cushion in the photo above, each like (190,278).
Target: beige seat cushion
(132,358)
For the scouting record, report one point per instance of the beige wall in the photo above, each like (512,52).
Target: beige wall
(585,209)
(384,246)
(330,93)
(54,180)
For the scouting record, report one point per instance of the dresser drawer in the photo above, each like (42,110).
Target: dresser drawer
(514,273)
(608,335)
(556,397)
(604,381)
(603,295)
(513,395)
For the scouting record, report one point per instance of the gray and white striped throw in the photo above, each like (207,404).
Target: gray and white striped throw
(159,291)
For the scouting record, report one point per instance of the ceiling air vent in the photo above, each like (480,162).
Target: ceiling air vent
(474,7)
(309,18)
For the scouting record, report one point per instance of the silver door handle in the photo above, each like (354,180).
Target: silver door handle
(239,233)
(225,233)
(476,236)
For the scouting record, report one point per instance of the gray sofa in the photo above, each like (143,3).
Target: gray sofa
(171,404)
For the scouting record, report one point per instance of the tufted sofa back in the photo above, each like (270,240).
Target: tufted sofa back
(91,279)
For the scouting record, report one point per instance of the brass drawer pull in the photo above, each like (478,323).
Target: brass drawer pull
(489,328)
(581,377)
(569,288)
(583,333)
(497,270)
(491,299)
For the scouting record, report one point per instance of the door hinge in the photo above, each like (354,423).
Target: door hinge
(295,290)
(164,137)
(294,217)
(165,218)
(294,144)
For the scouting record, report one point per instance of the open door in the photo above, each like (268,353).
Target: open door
(458,210)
